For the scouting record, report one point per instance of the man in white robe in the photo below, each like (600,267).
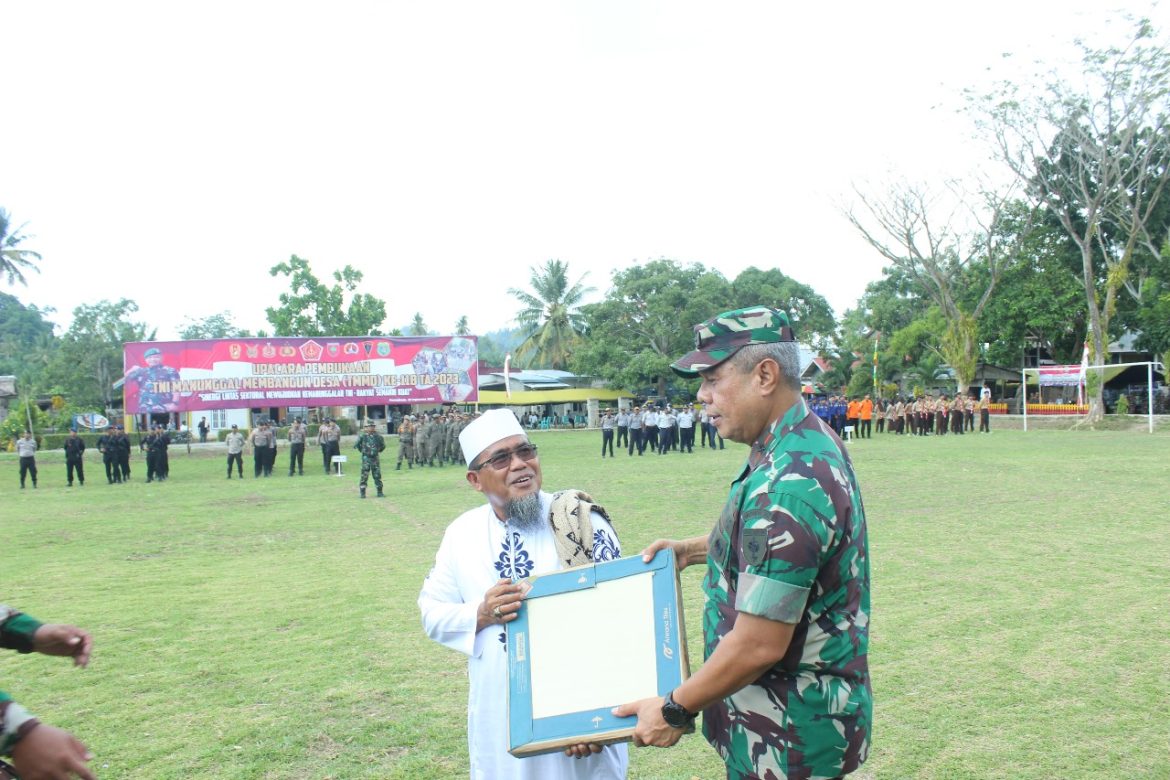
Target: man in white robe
(471,593)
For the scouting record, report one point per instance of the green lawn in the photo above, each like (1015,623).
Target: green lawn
(268,628)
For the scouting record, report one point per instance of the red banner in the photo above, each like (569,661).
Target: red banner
(186,376)
(1060,376)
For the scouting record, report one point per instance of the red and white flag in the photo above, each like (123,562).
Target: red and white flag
(1084,376)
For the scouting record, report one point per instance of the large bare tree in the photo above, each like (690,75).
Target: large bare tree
(934,235)
(1096,154)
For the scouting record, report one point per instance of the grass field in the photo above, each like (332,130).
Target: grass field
(268,628)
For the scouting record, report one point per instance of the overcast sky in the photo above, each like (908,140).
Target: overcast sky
(171,153)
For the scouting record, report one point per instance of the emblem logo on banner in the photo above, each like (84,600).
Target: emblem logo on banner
(252,350)
(311,351)
(384,349)
(234,351)
(269,351)
(287,351)
(351,348)
(334,348)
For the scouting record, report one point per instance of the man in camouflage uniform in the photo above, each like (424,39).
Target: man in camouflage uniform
(406,443)
(38,749)
(150,381)
(420,440)
(435,440)
(787,583)
(370,444)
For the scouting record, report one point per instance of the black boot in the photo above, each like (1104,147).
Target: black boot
(399,466)
(363,492)
(380,493)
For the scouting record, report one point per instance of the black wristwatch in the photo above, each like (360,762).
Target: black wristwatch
(676,715)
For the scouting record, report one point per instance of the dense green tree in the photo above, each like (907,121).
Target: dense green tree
(1038,302)
(24,414)
(647,320)
(461,327)
(810,314)
(213,326)
(14,261)
(89,359)
(1153,317)
(25,336)
(551,320)
(495,346)
(1107,166)
(312,308)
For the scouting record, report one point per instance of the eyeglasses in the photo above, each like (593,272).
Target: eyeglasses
(501,460)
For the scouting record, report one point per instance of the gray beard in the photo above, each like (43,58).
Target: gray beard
(524,513)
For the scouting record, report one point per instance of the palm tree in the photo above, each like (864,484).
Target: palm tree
(462,328)
(417,326)
(12,259)
(550,321)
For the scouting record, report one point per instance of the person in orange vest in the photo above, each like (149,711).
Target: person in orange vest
(865,414)
(851,412)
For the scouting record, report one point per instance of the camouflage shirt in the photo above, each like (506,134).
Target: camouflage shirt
(370,444)
(16,632)
(791,546)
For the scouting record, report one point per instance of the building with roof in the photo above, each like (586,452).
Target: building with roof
(557,398)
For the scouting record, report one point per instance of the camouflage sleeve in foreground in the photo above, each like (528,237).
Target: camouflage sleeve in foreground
(16,633)
(17,629)
(791,546)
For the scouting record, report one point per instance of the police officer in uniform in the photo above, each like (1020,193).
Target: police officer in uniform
(623,428)
(147,446)
(74,450)
(261,442)
(122,449)
(296,448)
(328,436)
(162,463)
(107,446)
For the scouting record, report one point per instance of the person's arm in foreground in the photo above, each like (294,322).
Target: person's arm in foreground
(40,751)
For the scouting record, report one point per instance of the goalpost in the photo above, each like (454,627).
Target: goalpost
(1107,372)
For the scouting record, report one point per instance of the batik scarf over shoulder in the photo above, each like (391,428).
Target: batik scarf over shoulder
(791,546)
(573,527)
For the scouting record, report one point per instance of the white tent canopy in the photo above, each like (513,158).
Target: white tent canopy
(1075,375)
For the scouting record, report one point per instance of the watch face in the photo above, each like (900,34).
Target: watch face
(674,714)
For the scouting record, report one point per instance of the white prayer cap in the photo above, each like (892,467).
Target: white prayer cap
(486,430)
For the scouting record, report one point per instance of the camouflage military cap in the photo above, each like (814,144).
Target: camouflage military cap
(722,336)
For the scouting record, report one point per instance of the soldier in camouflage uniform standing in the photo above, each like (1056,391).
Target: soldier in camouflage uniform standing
(370,444)
(435,441)
(787,583)
(420,440)
(406,442)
